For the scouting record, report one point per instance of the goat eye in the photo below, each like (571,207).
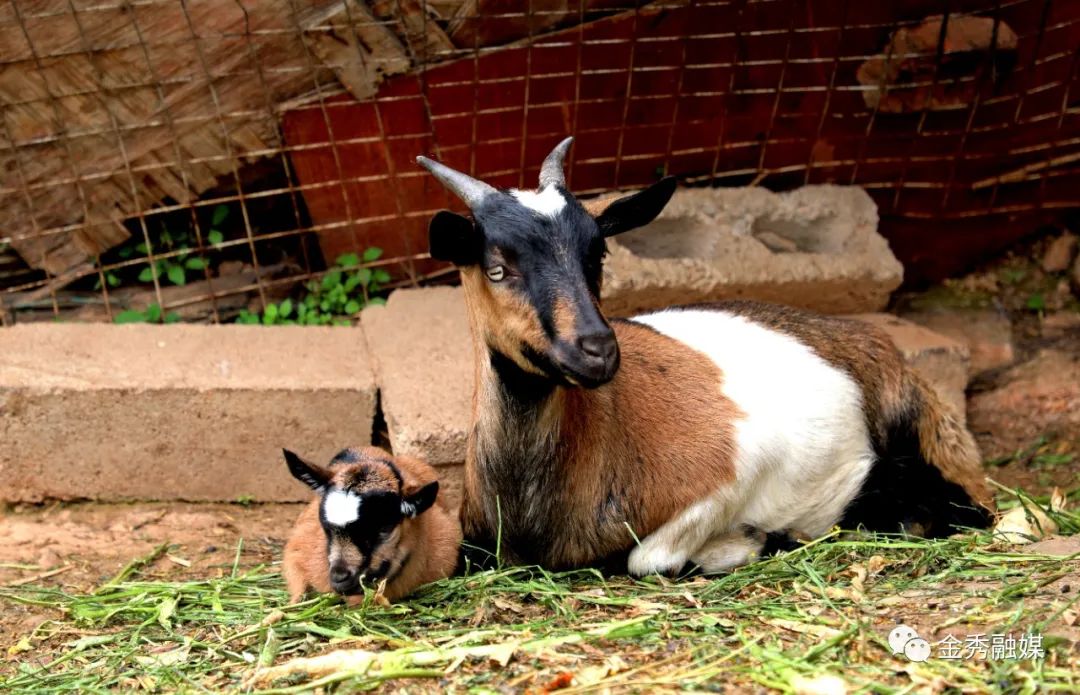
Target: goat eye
(496,273)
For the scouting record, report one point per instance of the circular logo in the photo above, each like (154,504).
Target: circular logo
(917,649)
(899,637)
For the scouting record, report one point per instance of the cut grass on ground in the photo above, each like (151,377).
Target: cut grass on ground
(811,615)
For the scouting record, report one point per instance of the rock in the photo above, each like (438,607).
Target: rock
(423,358)
(942,361)
(902,77)
(816,248)
(1059,255)
(987,333)
(49,559)
(1059,324)
(1030,399)
(1060,546)
(175,412)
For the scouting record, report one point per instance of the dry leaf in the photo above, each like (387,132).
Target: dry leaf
(858,579)
(502,653)
(876,563)
(642,607)
(169,658)
(804,628)
(691,599)
(594,674)
(1070,617)
(506,605)
(1025,524)
(920,676)
(819,685)
(272,618)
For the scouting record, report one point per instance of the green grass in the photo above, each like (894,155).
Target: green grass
(824,609)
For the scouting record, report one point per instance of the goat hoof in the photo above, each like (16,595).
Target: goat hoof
(644,561)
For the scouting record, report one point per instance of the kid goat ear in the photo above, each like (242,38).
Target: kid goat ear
(308,473)
(636,210)
(419,501)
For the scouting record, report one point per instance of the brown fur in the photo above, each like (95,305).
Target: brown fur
(949,446)
(868,354)
(633,451)
(565,319)
(422,549)
(502,318)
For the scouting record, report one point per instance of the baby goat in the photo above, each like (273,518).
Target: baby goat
(683,428)
(377,517)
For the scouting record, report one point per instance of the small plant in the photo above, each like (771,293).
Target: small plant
(1013,276)
(111,278)
(152,314)
(341,293)
(175,267)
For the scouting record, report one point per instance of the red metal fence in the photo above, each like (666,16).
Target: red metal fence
(962,120)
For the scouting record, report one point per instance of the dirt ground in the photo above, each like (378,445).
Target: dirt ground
(80,546)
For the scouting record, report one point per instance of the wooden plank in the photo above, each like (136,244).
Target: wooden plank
(426,40)
(480,23)
(105,112)
(358,47)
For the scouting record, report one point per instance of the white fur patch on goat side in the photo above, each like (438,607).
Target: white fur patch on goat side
(341,508)
(802,449)
(546,202)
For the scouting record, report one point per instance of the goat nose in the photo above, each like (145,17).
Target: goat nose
(599,345)
(340,574)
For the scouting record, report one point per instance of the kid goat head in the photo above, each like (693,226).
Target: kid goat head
(531,266)
(365,504)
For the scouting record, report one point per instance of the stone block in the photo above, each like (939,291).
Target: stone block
(816,247)
(423,359)
(986,333)
(178,412)
(943,362)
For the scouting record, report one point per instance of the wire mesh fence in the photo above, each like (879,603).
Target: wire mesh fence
(230,160)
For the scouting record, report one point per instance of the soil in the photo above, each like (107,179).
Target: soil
(80,546)
(1026,416)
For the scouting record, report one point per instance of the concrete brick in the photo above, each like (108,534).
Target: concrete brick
(175,412)
(986,333)
(816,247)
(943,362)
(452,482)
(423,358)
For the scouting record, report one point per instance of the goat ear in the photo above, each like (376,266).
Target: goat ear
(637,209)
(454,238)
(307,473)
(416,502)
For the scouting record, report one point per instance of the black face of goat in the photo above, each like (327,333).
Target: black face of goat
(361,507)
(531,264)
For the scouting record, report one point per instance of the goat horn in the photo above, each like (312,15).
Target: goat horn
(551,173)
(470,190)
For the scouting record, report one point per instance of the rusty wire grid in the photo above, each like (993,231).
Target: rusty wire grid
(253,145)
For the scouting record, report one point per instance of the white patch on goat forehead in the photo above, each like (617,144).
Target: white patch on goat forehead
(547,201)
(341,508)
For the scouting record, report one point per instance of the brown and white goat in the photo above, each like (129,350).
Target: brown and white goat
(701,431)
(377,517)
